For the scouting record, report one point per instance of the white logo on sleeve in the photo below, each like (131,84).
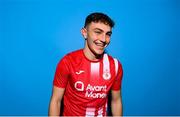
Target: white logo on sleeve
(79,72)
(79,86)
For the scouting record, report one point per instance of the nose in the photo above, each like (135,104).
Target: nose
(103,38)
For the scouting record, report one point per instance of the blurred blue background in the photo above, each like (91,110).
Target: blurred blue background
(36,34)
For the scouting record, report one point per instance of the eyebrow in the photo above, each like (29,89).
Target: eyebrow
(110,32)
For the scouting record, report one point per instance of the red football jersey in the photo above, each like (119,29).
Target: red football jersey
(87,83)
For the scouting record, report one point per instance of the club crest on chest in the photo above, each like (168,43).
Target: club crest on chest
(106,75)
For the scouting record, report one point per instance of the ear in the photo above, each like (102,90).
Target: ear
(84,32)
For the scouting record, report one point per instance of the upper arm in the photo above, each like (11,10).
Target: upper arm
(60,79)
(61,76)
(57,93)
(55,103)
(118,76)
(116,95)
(116,103)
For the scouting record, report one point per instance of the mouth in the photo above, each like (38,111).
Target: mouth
(100,44)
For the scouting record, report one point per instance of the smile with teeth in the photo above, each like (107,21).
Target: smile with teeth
(100,44)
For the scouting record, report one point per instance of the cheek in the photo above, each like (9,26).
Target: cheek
(92,37)
(90,41)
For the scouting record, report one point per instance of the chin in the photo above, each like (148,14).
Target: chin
(99,52)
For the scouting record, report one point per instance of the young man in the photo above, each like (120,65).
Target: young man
(85,77)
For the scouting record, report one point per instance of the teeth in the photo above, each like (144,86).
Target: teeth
(99,44)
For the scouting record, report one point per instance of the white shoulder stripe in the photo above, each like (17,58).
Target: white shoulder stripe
(116,65)
(106,66)
(95,68)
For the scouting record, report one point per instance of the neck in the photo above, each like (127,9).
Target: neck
(90,55)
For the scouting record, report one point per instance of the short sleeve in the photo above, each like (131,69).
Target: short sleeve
(61,74)
(118,79)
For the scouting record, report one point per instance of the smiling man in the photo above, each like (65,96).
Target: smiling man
(84,78)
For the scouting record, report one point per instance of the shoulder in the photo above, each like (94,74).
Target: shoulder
(70,58)
(75,53)
(73,56)
(113,60)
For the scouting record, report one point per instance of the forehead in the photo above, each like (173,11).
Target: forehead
(99,25)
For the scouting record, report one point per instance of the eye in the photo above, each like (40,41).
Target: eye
(109,34)
(97,32)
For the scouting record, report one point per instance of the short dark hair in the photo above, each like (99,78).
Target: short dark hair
(99,17)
